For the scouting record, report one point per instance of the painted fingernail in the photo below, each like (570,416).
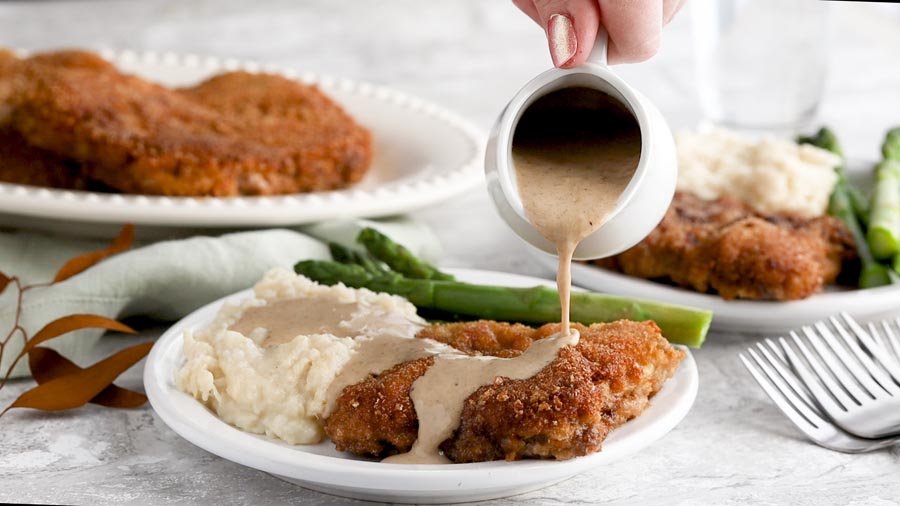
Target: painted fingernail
(561,36)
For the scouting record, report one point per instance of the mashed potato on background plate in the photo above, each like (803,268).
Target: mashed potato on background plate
(772,175)
(281,390)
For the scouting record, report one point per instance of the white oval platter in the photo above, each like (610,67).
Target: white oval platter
(423,154)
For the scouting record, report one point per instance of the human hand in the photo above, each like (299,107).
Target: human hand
(634,27)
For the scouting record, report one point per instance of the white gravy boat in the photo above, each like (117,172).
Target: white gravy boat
(646,198)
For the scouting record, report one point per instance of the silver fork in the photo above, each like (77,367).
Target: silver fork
(771,372)
(888,340)
(858,391)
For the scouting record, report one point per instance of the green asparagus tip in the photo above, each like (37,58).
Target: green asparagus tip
(397,257)
(339,252)
(874,275)
(883,242)
(891,147)
(825,139)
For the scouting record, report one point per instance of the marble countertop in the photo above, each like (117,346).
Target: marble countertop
(734,447)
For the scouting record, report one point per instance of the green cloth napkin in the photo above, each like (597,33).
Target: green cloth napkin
(164,280)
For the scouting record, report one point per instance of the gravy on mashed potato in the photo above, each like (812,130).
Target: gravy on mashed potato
(276,364)
(264,368)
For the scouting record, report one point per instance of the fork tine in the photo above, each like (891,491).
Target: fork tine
(779,363)
(828,395)
(891,338)
(878,373)
(894,340)
(876,336)
(811,426)
(848,374)
(888,359)
(778,352)
(860,378)
(879,352)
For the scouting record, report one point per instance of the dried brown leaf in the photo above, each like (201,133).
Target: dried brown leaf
(72,323)
(65,325)
(83,262)
(47,364)
(77,389)
(4,281)
(118,397)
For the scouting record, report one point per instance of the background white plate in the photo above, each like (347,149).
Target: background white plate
(758,317)
(321,468)
(422,154)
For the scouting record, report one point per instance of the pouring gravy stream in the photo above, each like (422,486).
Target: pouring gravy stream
(574,150)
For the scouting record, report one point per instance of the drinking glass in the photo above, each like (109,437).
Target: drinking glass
(760,64)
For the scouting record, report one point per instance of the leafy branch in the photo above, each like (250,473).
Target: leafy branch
(62,384)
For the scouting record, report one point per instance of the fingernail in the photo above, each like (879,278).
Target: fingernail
(561,36)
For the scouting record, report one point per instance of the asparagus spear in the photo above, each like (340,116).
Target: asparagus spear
(850,209)
(872,274)
(535,305)
(884,225)
(891,147)
(398,257)
(345,255)
(340,253)
(826,139)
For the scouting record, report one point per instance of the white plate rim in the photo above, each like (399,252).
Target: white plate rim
(292,209)
(753,316)
(332,471)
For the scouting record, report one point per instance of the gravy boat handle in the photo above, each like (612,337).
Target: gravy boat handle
(601,45)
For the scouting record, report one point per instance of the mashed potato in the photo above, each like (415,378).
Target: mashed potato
(280,390)
(771,175)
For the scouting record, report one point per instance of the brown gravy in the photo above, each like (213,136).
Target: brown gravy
(288,318)
(377,354)
(439,394)
(575,150)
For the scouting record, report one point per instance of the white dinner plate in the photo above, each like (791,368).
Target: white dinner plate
(422,154)
(757,317)
(320,467)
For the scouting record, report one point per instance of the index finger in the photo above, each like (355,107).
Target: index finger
(634,28)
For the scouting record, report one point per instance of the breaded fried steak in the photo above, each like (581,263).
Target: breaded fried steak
(7,68)
(327,148)
(20,162)
(564,411)
(726,247)
(236,134)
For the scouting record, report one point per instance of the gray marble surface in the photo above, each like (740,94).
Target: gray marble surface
(733,448)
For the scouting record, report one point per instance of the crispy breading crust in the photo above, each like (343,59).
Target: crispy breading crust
(21,162)
(327,148)
(724,246)
(8,63)
(225,137)
(564,411)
